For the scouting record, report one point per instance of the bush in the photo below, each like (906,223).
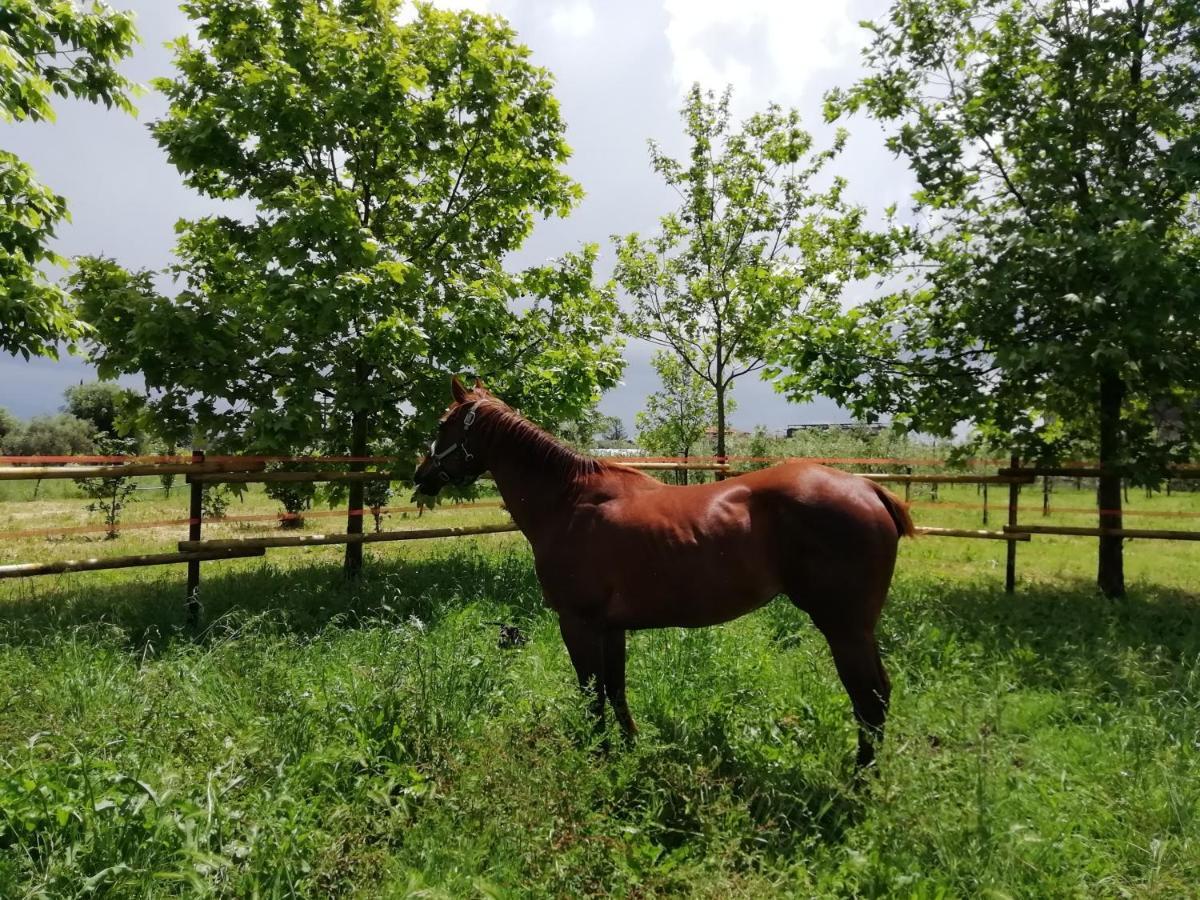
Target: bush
(214,501)
(854,442)
(296,497)
(61,435)
(376,495)
(8,424)
(758,448)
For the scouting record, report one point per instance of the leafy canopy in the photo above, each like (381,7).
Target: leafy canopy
(393,157)
(46,49)
(105,405)
(754,241)
(1053,276)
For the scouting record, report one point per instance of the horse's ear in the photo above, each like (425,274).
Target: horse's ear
(457,389)
(479,384)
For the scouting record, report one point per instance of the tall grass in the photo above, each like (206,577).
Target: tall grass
(319,739)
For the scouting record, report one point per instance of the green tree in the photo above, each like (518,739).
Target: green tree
(752,242)
(110,408)
(1054,300)
(109,496)
(580,430)
(393,163)
(677,417)
(47,48)
(612,430)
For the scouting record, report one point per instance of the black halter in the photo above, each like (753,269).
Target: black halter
(436,458)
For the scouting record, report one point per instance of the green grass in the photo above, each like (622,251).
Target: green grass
(319,739)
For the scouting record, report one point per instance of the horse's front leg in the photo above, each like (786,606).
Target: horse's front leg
(585,644)
(614,679)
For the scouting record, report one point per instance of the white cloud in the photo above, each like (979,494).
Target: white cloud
(479,6)
(574,19)
(767,49)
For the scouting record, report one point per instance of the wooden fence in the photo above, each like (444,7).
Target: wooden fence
(201,471)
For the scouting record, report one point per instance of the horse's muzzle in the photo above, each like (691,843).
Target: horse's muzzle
(426,479)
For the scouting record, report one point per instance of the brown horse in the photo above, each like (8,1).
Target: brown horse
(616,550)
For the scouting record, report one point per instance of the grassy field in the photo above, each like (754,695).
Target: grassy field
(372,740)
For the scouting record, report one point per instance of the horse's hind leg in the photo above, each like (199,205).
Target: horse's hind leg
(856,655)
(614,679)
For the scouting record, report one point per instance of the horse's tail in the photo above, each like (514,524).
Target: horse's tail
(897,509)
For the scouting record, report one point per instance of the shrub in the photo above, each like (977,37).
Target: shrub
(61,435)
(8,424)
(296,497)
(214,501)
(376,495)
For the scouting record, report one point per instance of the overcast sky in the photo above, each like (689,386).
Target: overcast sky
(622,68)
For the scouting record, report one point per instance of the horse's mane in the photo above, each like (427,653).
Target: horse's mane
(503,423)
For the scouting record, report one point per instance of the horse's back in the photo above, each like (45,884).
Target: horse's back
(804,493)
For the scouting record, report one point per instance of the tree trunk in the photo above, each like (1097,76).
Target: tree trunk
(355,511)
(1111,569)
(721,423)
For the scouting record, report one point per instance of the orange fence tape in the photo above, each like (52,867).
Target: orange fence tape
(85,529)
(380,460)
(267,517)
(182,460)
(1088,510)
(330,513)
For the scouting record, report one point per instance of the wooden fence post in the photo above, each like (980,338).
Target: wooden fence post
(195,515)
(907,485)
(1045,495)
(719,475)
(985,503)
(1010,568)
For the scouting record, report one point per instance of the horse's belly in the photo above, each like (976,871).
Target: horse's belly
(668,611)
(665,567)
(691,592)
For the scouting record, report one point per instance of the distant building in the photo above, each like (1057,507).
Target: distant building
(617,451)
(857,427)
(730,431)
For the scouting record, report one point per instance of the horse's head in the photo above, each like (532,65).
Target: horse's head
(454,456)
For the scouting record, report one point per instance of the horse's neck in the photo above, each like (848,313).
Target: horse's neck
(535,482)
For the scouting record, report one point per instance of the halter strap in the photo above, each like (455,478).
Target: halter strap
(459,445)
